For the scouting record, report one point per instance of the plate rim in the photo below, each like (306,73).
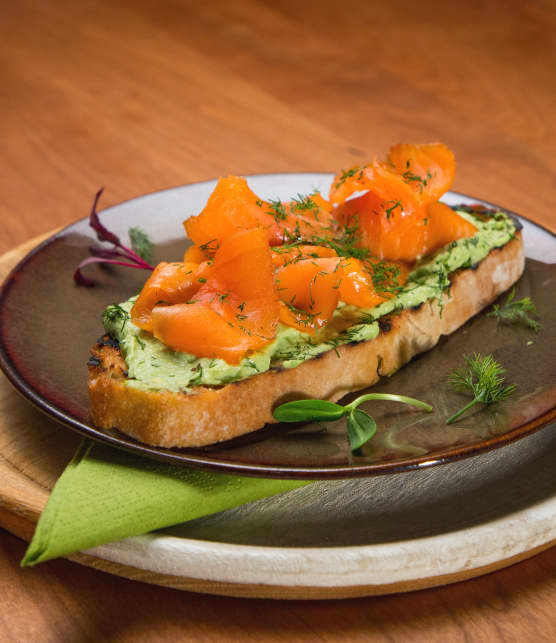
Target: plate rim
(384,563)
(238,468)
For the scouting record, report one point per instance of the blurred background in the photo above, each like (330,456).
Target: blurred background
(140,95)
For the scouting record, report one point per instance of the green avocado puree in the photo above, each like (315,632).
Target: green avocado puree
(152,365)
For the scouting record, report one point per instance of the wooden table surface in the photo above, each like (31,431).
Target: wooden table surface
(140,95)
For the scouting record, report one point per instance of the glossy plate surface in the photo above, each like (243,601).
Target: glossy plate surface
(47,326)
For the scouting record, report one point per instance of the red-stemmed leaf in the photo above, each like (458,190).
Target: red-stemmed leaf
(103,234)
(112,255)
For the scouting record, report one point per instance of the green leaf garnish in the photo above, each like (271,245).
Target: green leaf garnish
(141,243)
(360,428)
(516,312)
(308,411)
(360,425)
(484,379)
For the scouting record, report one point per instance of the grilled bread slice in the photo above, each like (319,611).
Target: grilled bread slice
(209,415)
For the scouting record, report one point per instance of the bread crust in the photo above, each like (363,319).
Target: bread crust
(209,415)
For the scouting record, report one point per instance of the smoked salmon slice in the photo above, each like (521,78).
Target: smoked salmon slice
(390,218)
(239,289)
(231,207)
(198,329)
(308,290)
(446,226)
(356,287)
(404,237)
(429,169)
(195,254)
(307,217)
(170,283)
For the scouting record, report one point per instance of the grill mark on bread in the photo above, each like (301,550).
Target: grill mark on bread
(385,324)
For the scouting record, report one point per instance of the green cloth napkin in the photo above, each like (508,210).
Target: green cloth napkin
(106,494)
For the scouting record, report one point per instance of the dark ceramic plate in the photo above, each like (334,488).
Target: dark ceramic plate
(47,325)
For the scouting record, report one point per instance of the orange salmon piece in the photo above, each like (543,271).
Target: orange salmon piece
(309,292)
(239,289)
(195,254)
(346,182)
(172,283)
(198,329)
(303,218)
(429,169)
(357,287)
(231,207)
(322,203)
(390,218)
(445,226)
(312,207)
(241,286)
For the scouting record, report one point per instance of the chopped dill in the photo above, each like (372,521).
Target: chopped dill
(116,313)
(347,174)
(252,364)
(385,277)
(344,242)
(304,204)
(395,204)
(210,246)
(304,317)
(410,177)
(277,210)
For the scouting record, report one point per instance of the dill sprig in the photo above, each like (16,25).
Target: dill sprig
(516,312)
(483,378)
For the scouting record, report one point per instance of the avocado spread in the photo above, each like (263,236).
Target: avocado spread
(152,365)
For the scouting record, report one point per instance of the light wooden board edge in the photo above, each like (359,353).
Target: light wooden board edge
(23,528)
(22,501)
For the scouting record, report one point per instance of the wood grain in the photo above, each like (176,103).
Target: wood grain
(143,95)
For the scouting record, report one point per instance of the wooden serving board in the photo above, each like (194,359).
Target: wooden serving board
(34,451)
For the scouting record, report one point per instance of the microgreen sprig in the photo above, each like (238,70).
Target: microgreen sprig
(138,256)
(516,312)
(360,425)
(483,378)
